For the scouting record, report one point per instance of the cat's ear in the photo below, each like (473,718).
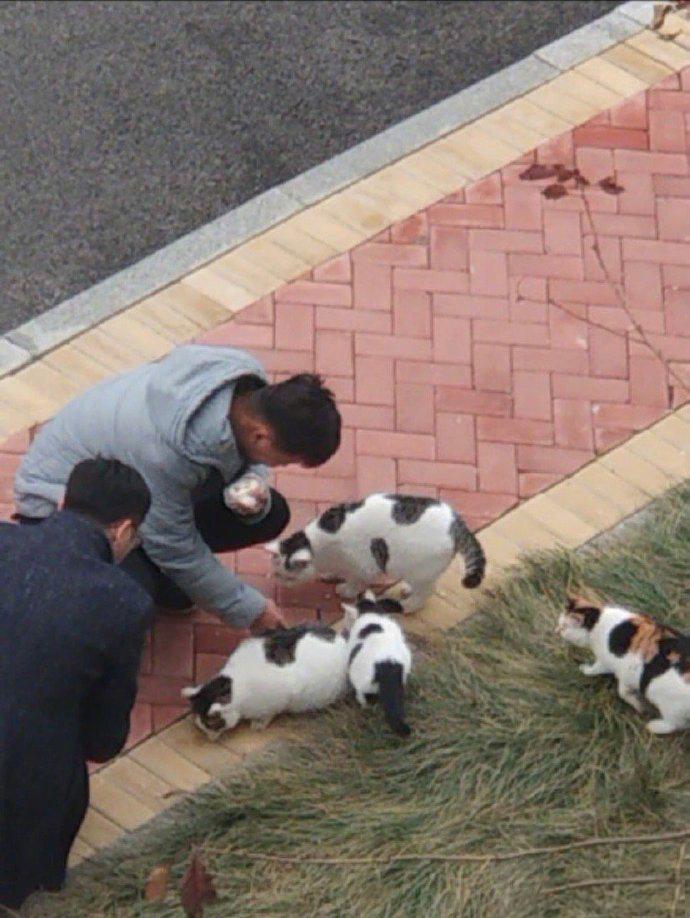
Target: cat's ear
(299,560)
(273,548)
(578,602)
(584,610)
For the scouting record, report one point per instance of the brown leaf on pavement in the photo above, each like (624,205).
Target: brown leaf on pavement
(661,11)
(539,171)
(610,186)
(563,174)
(553,192)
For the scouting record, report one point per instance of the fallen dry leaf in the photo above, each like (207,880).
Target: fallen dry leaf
(156,888)
(610,186)
(553,192)
(196,889)
(580,180)
(661,11)
(539,171)
(563,174)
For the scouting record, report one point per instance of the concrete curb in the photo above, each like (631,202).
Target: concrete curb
(92,306)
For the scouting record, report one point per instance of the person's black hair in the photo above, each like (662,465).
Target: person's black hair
(303,415)
(107,491)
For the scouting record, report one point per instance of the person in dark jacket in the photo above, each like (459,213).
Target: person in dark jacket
(72,628)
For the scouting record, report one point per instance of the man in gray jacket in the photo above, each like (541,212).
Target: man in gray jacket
(191,424)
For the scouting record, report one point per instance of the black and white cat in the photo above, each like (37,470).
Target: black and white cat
(648,659)
(379,660)
(290,670)
(395,537)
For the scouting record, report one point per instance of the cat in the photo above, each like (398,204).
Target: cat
(293,670)
(649,660)
(379,659)
(393,536)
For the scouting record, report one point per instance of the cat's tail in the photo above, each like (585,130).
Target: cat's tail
(467,545)
(389,676)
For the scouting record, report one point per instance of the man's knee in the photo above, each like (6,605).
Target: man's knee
(277,518)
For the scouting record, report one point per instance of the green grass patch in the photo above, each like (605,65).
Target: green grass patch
(513,749)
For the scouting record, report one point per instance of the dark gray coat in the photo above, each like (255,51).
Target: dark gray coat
(71,633)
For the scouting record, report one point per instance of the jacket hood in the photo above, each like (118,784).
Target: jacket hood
(188,395)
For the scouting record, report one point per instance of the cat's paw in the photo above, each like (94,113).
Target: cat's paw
(592,669)
(660,726)
(406,590)
(632,699)
(212,735)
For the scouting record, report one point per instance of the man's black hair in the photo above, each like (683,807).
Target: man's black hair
(303,415)
(107,491)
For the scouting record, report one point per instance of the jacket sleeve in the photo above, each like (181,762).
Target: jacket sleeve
(108,707)
(173,543)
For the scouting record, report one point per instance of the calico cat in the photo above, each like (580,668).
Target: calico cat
(649,660)
(285,670)
(385,536)
(379,660)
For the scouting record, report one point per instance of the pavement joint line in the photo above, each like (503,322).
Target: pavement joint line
(202,246)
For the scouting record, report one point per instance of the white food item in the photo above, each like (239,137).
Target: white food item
(247,495)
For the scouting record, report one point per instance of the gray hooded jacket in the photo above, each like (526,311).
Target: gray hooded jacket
(167,419)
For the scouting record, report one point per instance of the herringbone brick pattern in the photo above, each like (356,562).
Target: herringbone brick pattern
(478,350)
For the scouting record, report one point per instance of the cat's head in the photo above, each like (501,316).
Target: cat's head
(368,602)
(293,558)
(212,706)
(575,623)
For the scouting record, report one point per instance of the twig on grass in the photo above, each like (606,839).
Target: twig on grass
(465,858)
(609,881)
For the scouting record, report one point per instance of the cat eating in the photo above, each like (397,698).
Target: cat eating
(648,659)
(379,659)
(288,670)
(393,537)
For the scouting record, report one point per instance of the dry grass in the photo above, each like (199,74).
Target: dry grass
(513,749)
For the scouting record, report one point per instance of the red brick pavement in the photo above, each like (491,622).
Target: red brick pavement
(478,351)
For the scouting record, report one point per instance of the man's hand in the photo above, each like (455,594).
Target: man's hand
(247,496)
(271,617)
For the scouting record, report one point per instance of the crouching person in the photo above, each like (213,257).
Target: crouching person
(72,628)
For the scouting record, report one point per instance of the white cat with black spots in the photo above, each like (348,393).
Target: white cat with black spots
(384,537)
(379,660)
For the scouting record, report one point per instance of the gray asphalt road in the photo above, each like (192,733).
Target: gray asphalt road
(126,125)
